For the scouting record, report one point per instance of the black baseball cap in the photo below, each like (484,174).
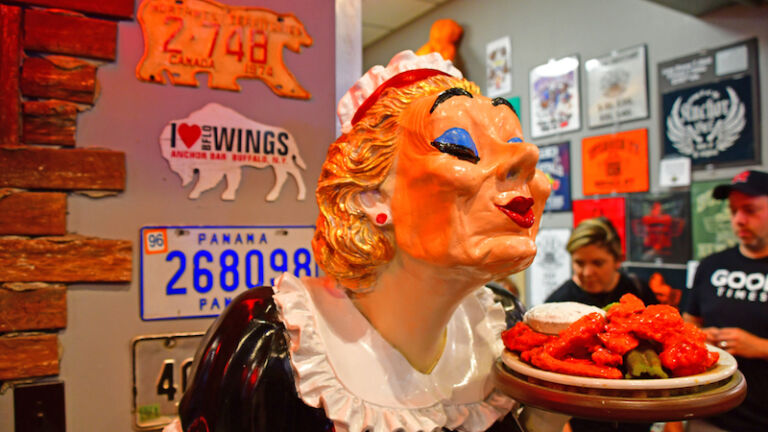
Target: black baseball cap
(753,183)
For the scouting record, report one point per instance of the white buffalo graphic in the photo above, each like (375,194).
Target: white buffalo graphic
(217,142)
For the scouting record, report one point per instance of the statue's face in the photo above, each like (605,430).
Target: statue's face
(466,190)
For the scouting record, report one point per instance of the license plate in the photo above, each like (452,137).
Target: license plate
(196,271)
(161,366)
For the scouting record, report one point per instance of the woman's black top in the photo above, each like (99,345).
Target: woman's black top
(569,291)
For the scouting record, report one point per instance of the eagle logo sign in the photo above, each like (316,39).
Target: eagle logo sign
(706,124)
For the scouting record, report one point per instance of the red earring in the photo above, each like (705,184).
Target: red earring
(381,218)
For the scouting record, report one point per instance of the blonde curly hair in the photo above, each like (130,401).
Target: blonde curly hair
(347,245)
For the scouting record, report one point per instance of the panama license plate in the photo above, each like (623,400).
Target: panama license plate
(196,271)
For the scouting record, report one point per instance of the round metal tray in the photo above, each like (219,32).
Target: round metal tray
(623,404)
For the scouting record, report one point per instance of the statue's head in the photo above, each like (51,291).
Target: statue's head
(428,167)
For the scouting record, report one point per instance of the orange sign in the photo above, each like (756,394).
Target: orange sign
(615,163)
(185,37)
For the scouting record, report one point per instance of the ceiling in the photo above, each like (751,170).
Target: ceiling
(701,7)
(381,17)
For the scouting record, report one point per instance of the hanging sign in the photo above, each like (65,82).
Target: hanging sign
(555,163)
(554,93)
(611,208)
(615,163)
(552,265)
(196,271)
(710,221)
(675,171)
(617,87)
(710,106)
(183,38)
(219,142)
(498,67)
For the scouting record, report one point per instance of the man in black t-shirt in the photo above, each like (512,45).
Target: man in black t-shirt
(729,300)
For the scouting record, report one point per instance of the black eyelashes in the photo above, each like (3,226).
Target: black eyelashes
(460,152)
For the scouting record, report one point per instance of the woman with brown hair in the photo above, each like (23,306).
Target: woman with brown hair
(596,257)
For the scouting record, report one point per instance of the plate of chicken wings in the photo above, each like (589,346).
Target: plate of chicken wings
(631,347)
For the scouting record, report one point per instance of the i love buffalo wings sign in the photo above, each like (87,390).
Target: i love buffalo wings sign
(218,142)
(183,38)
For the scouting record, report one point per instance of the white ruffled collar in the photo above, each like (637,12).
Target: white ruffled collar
(342,363)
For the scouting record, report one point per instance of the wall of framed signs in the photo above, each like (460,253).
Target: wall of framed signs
(607,97)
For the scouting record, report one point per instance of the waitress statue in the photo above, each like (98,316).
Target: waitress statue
(429,193)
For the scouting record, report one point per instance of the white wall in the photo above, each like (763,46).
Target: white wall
(544,29)
(129,116)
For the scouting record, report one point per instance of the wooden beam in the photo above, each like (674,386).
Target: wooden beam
(30,167)
(71,258)
(60,33)
(59,77)
(49,122)
(10,62)
(32,306)
(28,355)
(122,9)
(32,213)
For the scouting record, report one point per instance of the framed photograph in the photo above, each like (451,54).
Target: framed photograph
(552,265)
(615,163)
(659,228)
(611,208)
(710,220)
(554,96)
(617,87)
(710,106)
(498,67)
(555,162)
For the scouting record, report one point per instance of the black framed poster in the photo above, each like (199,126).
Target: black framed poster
(659,227)
(710,106)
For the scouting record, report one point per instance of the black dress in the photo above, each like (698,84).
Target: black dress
(242,379)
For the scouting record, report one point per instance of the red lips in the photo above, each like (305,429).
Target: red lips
(520,211)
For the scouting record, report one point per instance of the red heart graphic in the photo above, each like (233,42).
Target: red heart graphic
(189,134)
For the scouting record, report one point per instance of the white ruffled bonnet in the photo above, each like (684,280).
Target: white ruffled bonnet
(376,76)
